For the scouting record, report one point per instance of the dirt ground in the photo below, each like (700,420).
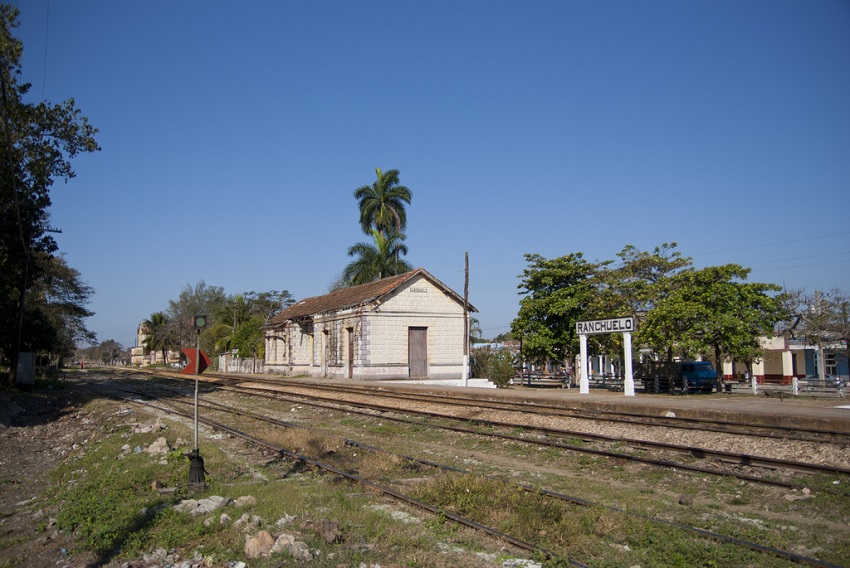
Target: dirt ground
(37,431)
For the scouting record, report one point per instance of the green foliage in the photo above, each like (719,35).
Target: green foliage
(383,216)
(38,141)
(159,335)
(679,310)
(556,294)
(200,299)
(248,338)
(382,204)
(495,365)
(713,310)
(237,310)
(376,261)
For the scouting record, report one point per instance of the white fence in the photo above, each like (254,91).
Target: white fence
(229,364)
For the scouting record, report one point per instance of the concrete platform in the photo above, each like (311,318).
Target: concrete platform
(808,412)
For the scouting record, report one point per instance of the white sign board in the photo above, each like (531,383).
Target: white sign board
(613,325)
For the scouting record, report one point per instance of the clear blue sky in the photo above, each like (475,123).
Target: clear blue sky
(234,136)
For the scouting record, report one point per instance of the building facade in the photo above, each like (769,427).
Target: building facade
(405,326)
(786,358)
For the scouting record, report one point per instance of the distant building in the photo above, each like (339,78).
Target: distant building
(405,326)
(137,353)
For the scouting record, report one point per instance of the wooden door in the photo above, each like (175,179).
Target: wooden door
(417,351)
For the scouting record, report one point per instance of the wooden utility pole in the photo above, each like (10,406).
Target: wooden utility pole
(466,320)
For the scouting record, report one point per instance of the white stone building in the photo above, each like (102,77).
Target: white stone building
(137,353)
(405,326)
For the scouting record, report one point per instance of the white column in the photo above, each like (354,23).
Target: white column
(629,385)
(758,369)
(583,382)
(787,364)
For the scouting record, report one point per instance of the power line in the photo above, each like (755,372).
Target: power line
(775,243)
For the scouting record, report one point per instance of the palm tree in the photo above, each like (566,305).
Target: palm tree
(230,316)
(382,204)
(378,260)
(158,336)
(475,331)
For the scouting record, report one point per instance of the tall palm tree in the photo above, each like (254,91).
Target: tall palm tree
(382,204)
(378,260)
(159,336)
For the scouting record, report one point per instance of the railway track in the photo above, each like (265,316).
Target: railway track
(547,409)
(519,543)
(552,436)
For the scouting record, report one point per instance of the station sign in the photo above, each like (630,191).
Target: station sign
(613,325)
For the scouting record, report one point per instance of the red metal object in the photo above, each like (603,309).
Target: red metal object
(189,369)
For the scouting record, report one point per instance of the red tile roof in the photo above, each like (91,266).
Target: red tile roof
(352,297)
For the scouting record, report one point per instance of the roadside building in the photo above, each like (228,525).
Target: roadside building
(786,358)
(405,326)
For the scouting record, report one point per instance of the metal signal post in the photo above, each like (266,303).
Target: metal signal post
(197,481)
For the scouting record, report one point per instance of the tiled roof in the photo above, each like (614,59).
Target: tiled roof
(351,297)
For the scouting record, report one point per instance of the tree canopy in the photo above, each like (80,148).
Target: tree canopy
(375,261)
(384,217)
(680,311)
(382,204)
(38,142)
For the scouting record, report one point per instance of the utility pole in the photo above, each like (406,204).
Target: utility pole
(466,320)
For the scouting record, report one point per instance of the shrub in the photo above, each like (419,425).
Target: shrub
(496,365)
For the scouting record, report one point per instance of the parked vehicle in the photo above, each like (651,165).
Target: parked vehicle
(685,376)
(828,381)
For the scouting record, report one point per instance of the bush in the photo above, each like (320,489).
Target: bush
(496,365)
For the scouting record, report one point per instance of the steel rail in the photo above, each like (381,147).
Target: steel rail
(685,423)
(519,543)
(575,500)
(701,453)
(723,426)
(546,443)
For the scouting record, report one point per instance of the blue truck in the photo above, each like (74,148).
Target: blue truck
(681,376)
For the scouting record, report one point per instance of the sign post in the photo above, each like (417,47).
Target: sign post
(197,481)
(614,325)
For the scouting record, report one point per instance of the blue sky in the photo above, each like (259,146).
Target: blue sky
(234,136)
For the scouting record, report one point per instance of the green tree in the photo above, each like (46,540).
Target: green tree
(382,204)
(239,308)
(200,299)
(38,142)
(248,338)
(55,312)
(159,335)
(633,286)
(556,293)
(714,311)
(495,365)
(376,261)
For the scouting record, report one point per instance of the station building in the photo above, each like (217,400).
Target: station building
(405,326)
